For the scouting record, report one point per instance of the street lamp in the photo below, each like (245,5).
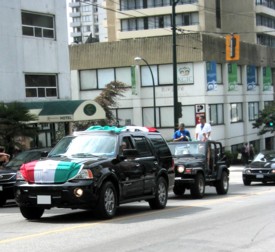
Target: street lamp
(154,90)
(175,77)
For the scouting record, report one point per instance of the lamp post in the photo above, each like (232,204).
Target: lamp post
(154,90)
(175,77)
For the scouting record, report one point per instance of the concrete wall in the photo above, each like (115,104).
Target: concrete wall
(21,54)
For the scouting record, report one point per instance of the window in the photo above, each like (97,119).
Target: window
(142,146)
(146,76)
(216,114)
(218,14)
(123,74)
(148,116)
(253,110)
(38,25)
(165,74)
(239,74)
(236,110)
(88,79)
(219,73)
(41,85)
(105,76)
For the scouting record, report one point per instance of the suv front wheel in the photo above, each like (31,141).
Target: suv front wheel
(198,188)
(161,195)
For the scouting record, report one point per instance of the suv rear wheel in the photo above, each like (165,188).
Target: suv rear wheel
(198,188)
(161,195)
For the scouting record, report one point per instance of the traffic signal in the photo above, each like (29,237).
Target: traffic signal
(179,110)
(232,47)
(269,124)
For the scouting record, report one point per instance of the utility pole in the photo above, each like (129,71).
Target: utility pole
(175,77)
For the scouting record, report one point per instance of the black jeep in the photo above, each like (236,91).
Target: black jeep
(198,164)
(90,170)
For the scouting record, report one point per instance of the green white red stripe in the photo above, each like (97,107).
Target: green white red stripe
(49,171)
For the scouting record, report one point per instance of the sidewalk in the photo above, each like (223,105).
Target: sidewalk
(235,168)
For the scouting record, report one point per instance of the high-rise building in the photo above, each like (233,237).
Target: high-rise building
(106,20)
(86,21)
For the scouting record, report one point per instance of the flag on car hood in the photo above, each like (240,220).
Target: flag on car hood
(49,171)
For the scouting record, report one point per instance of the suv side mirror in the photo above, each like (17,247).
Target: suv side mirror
(44,154)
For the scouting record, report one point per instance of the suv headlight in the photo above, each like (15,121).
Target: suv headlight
(84,174)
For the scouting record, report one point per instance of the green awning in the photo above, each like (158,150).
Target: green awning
(65,110)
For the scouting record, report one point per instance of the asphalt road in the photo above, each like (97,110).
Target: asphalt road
(243,220)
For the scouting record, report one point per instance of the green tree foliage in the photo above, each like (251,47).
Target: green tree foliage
(13,123)
(107,99)
(266,119)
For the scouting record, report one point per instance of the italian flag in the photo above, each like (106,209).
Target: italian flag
(49,171)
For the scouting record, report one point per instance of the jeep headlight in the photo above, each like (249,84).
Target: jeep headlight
(84,174)
(180,168)
(19,176)
(248,171)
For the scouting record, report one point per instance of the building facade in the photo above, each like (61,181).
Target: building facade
(230,94)
(123,19)
(34,51)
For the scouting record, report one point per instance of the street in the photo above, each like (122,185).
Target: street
(242,220)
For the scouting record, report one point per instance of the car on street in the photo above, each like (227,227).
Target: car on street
(8,172)
(199,164)
(90,170)
(261,169)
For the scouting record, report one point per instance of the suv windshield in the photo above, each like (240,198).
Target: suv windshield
(86,145)
(188,148)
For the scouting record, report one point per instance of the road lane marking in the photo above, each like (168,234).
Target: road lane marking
(88,225)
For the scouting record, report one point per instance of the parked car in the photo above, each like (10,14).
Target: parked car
(198,164)
(8,172)
(89,170)
(261,169)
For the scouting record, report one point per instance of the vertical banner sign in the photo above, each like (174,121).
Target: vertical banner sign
(251,78)
(266,79)
(133,80)
(232,76)
(211,76)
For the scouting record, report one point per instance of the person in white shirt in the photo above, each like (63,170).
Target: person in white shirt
(203,130)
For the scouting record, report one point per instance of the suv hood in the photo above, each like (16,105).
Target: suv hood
(53,170)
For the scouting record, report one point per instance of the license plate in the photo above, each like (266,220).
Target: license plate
(44,199)
(259,175)
(1,188)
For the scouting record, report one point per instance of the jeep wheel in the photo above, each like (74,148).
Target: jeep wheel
(178,190)
(246,181)
(32,213)
(2,200)
(198,188)
(107,203)
(222,185)
(161,195)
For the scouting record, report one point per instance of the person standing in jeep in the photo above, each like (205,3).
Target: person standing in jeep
(203,130)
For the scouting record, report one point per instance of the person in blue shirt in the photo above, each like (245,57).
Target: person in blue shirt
(182,134)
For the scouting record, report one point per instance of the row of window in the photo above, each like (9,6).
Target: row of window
(266,40)
(165,115)
(265,21)
(267,3)
(144,4)
(145,23)
(162,75)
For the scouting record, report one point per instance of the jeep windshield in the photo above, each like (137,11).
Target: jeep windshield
(86,145)
(187,149)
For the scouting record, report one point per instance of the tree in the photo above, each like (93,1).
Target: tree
(266,119)
(13,123)
(107,99)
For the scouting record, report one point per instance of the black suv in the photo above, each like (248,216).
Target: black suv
(198,164)
(91,170)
